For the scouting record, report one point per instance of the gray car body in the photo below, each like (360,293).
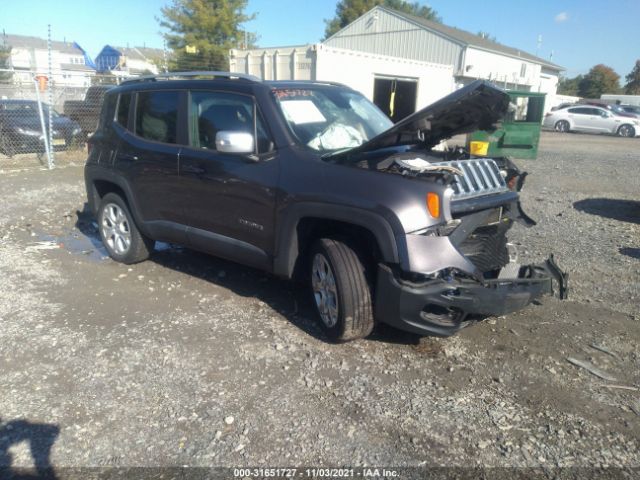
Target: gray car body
(600,120)
(251,208)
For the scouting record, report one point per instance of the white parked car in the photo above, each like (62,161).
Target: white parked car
(592,119)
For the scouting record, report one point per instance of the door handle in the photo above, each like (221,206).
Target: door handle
(127,157)
(194,170)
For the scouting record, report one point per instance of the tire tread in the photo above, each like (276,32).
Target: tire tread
(355,303)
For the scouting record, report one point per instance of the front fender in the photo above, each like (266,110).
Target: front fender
(287,248)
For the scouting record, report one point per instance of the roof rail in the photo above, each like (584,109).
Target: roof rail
(311,82)
(177,75)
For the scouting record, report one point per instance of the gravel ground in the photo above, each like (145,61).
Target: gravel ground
(190,360)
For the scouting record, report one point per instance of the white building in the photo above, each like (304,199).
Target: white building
(30,55)
(386,51)
(130,61)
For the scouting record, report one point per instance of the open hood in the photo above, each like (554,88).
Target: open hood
(478,106)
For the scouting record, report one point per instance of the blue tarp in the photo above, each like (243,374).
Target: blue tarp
(108,58)
(87,59)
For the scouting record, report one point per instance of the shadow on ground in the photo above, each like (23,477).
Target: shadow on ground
(623,210)
(40,437)
(630,252)
(292,300)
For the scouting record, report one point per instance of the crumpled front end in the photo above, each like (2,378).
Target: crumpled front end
(464,270)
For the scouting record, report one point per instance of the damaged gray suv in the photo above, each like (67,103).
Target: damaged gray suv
(310,180)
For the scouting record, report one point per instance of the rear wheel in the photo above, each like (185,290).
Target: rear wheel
(119,233)
(341,292)
(626,131)
(562,126)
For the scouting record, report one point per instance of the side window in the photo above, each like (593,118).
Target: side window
(157,116)
(124,103)
(213,112)
(581,111)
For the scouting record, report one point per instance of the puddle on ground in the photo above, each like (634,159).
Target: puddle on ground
(85,240)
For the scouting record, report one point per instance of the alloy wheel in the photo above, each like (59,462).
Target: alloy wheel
(625,131)
(115,229)
(325,292)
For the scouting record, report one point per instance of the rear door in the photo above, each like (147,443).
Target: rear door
(581,118)
(148,157)
(228,199)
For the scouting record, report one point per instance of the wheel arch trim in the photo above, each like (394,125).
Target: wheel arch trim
(95,174)
(288,250)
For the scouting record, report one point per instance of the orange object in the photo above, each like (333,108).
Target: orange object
(433,204)
(42,82)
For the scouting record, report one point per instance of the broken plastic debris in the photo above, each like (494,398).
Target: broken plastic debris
(591,369)
(46,245)
(605,350)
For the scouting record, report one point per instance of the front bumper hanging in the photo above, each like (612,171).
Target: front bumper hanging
(441,306)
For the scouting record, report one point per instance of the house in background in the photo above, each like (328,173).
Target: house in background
(393,57)
(70,66)
(128,62)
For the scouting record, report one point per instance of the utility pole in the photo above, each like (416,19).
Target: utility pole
(51,157)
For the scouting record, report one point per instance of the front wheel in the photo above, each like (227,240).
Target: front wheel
(341,292)
(119,233)
(562,126)
(626,131)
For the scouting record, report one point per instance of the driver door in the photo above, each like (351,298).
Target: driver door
(603,120)
(228,199)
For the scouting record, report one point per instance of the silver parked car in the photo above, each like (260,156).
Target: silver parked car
(592,119)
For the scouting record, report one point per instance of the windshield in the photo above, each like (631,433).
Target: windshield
(331,119)
(617,109)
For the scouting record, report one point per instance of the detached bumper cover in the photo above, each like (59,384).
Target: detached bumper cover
(441,306)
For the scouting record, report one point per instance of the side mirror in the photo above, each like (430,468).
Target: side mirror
(234,142)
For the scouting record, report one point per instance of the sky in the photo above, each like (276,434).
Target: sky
(578,33)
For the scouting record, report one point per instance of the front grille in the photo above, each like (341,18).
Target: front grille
(481,177)
(486,248)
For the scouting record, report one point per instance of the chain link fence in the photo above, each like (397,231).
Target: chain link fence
(33,131)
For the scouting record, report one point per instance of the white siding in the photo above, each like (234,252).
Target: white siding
(279,63)
(501,69)
(385,33)
(37,60)
(358,70)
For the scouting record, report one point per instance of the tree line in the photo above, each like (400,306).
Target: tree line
(601,79)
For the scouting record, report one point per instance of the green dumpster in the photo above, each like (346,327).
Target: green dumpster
(518,134)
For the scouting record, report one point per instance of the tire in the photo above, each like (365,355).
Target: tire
(119,233)
(626,131)
(5,145)
(562,126)
(340,290)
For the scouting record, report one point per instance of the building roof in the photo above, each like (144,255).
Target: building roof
(470,39)
(23,41)
(80,67)
(138,53)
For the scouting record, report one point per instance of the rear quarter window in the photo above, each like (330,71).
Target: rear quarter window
(124,105)
(108,111)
